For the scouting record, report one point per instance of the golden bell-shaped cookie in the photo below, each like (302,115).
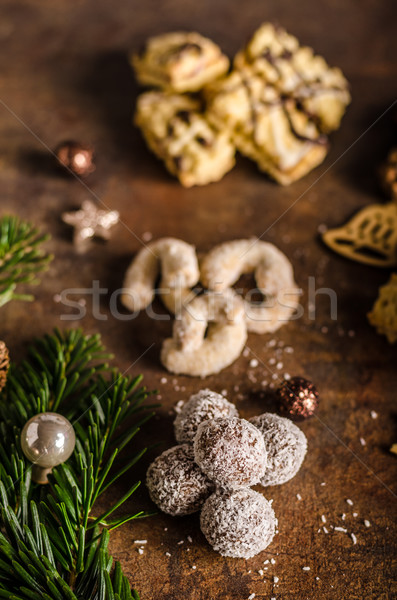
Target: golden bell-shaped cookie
(370,237)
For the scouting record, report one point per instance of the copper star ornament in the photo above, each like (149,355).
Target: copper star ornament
(89,222)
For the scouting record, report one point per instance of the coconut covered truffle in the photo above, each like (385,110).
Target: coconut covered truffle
(239,524)
(175,482)
(286,447)
(231,452)
(200,407)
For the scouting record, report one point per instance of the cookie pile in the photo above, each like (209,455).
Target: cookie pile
(211,323)
(219,458)
(276,106)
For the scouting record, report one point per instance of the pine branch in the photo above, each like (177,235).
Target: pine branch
(54,545)
(21,257)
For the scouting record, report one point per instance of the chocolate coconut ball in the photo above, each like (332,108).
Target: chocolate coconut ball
(238,524)
(200,407)
(286,447)
(231,452)
(175,482)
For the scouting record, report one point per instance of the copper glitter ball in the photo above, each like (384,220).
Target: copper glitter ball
(298,398)
(76,157)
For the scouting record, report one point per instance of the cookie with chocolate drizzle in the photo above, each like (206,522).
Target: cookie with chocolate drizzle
(177,131)
(179,62)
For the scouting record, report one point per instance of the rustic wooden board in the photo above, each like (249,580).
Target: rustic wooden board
(64,74)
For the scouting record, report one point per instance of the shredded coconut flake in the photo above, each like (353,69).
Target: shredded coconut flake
(299,497)
(349,502)
(305,568)
(342,529)
(353,537)
(362,441)
(324,520)
(140,542)
(367,523)
(251,597)
(374,414)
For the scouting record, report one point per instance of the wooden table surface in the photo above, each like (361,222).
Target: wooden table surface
(64,74)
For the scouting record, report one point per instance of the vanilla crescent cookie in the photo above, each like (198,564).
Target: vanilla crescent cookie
(176,262)
(225,263)
(208,335)
(179,62)
(279,59)
(178,132)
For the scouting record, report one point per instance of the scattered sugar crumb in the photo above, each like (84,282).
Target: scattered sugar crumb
(236,388)
(272,361)
(362,441)
(246,352)
(147,236)
(194,567)
(317,578)
(350,502)
(165,528)
(276,579)
(271,343)
(279,365)
(355,514)
(323,483)
(178,406)
(287,376)
(342,529)
(168,553)
(305,568)
(289,349)
(322,228)
(140,542)
(299,497)
(274,376)
(367,523)
(254,363)
(224,393)
(163,380)
(374,414)
(353,537)
(324,520)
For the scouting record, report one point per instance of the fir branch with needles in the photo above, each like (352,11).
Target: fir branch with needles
(21,257)
(53,541)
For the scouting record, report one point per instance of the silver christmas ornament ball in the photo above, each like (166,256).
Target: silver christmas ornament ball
(47,440)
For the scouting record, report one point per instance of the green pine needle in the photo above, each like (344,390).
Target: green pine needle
(53,543)
(21,257)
